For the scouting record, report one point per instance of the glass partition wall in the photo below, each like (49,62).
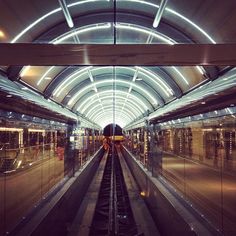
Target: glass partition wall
(34,159)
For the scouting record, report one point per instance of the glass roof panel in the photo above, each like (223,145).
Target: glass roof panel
(153,87)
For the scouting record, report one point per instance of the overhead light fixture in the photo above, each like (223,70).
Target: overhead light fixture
(107,81)
(135,75)
(66,13)
(70,79)
(146,31)
(36,130)
(229,110)
(109,93)
(11,129)
(39,20)
(200,69)
(75,33)
(24,70)
(90,76)
(159,13)
(44,76)
(9,96)
(155,79)
(2,35)
(181,75)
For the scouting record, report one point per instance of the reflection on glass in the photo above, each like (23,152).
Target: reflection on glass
(198,159)
(33,159)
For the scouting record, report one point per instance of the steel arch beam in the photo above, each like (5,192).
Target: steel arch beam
(119,54)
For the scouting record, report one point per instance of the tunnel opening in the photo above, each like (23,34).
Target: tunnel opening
(108,130)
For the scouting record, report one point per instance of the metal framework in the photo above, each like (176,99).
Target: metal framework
(128,55)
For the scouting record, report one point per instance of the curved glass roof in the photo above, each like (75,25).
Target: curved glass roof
(126,93)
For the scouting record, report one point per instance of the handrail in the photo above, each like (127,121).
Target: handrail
(27,147)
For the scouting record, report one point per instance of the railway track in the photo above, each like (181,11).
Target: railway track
(113,214)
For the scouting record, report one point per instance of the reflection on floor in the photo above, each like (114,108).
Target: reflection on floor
(209,189)
(21,190)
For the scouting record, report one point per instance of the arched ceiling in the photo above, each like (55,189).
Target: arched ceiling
(103,94)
